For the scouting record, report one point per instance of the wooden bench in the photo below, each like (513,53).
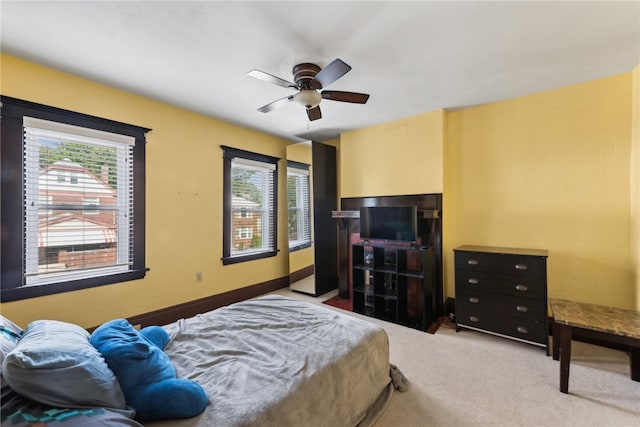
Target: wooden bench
(608,324)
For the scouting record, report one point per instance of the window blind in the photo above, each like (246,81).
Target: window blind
(298,202)
(78,202)
(252,207)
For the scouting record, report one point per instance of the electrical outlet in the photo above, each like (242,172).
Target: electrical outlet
(198,277)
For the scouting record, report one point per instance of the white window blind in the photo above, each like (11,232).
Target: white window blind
(298,202)
(78,202)
(252,207)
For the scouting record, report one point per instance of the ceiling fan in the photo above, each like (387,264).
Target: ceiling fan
(309,79)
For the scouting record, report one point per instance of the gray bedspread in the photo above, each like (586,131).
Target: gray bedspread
(276,361)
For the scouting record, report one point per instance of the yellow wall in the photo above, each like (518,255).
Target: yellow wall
(550,170)
(396,158)
(635,183)
(547,171)
(301,259)
(184,200)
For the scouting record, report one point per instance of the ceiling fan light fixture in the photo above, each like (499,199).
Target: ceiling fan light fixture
(308,98)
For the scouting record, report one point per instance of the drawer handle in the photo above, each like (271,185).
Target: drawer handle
(474,300)
(474,318)
(473,281)
(472,262)
(522,330)
(521,266)
(522,288)
(522,308)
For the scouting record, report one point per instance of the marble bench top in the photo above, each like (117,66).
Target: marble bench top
(613,320)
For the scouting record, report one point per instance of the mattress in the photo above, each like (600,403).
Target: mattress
(277,361)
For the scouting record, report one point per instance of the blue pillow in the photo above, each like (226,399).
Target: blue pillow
(54,363)
(146,375)
(9,335)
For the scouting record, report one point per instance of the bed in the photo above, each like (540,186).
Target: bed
(278,361)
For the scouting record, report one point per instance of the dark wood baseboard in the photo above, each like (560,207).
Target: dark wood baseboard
(202,305)
(301,274)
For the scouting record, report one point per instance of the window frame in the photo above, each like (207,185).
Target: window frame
(12,212)
(229,153)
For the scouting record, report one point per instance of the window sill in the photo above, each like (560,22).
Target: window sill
(242,258)
(24,292)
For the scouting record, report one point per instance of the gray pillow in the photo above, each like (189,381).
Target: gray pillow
(54,363)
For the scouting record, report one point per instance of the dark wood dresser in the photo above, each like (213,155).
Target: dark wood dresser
(503,291)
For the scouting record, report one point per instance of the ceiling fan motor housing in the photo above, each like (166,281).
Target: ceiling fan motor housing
(304,73)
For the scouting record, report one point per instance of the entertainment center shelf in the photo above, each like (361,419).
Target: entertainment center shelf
(394,282)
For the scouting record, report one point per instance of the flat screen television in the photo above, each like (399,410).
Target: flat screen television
(389,223)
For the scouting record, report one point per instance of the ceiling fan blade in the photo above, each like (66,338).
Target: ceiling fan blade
(330,74)
(275,104)
(337,95)
(261,75)
(314,113)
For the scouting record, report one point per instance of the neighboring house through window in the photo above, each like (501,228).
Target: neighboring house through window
(75,195)
(91,205)
(298,202)
(249,207)
(244,233)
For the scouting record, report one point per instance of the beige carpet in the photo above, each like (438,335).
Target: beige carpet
(470,378)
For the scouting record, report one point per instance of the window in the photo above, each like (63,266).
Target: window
(66,176)
(244,233)
(245,214)
(90,207)
(250,210)
(72,201)
(298,202)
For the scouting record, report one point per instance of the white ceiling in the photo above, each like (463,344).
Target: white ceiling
(412,57)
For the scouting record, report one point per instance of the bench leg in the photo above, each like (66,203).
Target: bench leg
(565,355)
(556,341)
(634,363)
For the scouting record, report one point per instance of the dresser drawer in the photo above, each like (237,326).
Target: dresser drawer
(524,308)
(514,265)
(502,291)
(511,326)
(523,287)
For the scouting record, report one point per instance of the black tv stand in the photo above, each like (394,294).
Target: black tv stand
(397,285)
